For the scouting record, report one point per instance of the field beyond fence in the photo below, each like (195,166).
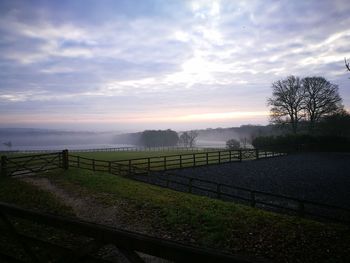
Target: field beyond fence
(157,170)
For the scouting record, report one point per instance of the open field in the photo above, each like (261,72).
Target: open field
(126,155)
(207,222)
(199,220)
(319,177)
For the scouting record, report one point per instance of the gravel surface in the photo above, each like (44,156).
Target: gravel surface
(319,177)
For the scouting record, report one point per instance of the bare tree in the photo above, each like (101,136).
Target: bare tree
(347,64)
(184,139)
(192,138)
(188,139)
(287,102)
(321,99)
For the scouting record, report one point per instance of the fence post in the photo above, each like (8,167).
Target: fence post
(3,171)
(207,157)
(110,167)
(148,163)
(190,185)
(301,209)
(65,160)
(218,190)
(129,171)
(240,155)
(230,156)
(93,164)
(252,199)
(78,161)
(257,153)
(219,157)
(164,163)
(194,160)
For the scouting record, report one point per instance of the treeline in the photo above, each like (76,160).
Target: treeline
(302,143)
(157,138)
(310,112)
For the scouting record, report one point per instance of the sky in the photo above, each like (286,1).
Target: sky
(133,65)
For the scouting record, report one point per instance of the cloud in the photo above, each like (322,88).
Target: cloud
(194,55)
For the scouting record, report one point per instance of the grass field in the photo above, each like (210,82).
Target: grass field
(214,223)
(157,160)
(126,155)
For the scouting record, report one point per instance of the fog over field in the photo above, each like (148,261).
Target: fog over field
(31,139)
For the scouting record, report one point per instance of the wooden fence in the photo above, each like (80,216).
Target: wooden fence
(255,198)
(118,149)
(31,164)
(146,169)
(167,162)
(28,247)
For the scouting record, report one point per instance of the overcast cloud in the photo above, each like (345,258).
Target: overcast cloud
(161,64)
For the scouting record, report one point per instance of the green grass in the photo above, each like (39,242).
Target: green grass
(126,155)
(214,223)
(23,194)
(157,160)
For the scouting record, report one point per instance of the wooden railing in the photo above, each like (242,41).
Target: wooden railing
(168,162)
(31,248)
(146,169)
(116,149)
(252,197)
(31,164)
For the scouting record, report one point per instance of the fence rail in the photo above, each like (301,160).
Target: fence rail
(146,169)
(97,236)
(117,149)
(168,162)
(252,197)
(31,164)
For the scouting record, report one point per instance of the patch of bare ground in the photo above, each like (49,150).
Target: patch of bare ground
(118,215)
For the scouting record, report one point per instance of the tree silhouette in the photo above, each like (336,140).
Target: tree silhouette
(287,102)
(347,64)
(321,99)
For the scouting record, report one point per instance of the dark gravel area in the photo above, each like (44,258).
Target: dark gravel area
(319,177)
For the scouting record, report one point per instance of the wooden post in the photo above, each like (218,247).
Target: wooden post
(207,157)
(194,160)
(164,163)
(240,155)
(148,163)
(110,167)
(257,153)
(129,171)
(252,199)
(190,185)
(218,190)
(301,209)
(180,161)
(78,161)
(219,157)
(3,166)
(230,155)
(93,164)
(65,160)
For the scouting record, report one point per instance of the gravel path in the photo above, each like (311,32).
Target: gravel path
(319,177)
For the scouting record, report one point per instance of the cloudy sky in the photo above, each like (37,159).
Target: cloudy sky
(128,65)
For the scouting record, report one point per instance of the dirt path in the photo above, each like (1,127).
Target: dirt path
(89,209)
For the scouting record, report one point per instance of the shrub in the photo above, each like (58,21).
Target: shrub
(233,144)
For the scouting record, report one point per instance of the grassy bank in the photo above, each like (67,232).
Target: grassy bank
(214,223)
